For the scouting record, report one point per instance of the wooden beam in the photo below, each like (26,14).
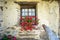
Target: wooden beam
(27,3)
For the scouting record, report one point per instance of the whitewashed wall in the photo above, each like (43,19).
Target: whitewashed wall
(47,12)
(1,16)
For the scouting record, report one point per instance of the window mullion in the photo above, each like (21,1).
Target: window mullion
(28,12)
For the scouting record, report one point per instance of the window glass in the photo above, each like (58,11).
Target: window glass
(23,14)
(30,12)
(33,12)
(26,12)
(22,10)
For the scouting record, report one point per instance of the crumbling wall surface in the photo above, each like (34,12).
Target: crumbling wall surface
(59,21)
(47,12)
(1,16)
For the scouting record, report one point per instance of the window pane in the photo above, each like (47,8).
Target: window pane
(26,11)
(29,10)
(30,14)
(33,14)
(26,14)
(23,14)
(22,10)
(33,10)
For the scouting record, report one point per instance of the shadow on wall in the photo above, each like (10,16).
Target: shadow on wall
(44,36)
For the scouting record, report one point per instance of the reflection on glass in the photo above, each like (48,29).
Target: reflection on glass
(30,14)
(33,10)
(26,10)
(26,14)
(29,10)
(33,14)
(23,14)
(22,10)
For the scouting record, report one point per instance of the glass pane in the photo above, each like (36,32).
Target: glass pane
(22,10)
(33,12)
(26,10)
(26,14)
(30,14)
(23,14)
(29,10)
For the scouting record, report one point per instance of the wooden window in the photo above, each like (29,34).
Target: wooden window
(28,10)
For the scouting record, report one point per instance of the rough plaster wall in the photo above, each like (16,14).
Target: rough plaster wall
(11,13)
(54,16)
(59,21)
(42,11)
(1,16)
(46,12)
(1,11)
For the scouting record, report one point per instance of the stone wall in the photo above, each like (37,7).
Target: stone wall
(1,16)
(47,12)
(59,21)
